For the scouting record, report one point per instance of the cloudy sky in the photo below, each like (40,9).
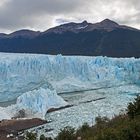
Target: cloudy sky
(43,14)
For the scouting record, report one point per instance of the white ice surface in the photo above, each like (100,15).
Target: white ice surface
(4,114)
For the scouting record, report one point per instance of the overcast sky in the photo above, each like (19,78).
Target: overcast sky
(43,14)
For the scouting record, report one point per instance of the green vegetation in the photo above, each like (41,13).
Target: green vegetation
(133,109)
(122,127)
(42,137)
(33,136)
(67,133)
(30,136)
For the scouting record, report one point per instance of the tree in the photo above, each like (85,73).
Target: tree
(133,109)
(31,136)
(42,137)
(68,133)
(49,138)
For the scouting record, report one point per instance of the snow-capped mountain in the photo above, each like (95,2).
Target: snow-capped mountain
(34,79)
(105,38)
(69,27)
(106,25)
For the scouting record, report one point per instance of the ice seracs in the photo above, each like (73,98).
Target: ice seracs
(39,77)
(22,73)
(39,101)
(34,103)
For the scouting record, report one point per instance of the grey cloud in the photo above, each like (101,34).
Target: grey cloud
(18,13)
(42,14)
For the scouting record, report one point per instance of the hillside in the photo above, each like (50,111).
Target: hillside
(106,38)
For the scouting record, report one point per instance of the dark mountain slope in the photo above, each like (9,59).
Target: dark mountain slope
(106,38)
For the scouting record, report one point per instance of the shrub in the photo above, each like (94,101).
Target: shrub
(133,109)
(68,133)
(101,120)
(42,137)
(83,131)
(31,136)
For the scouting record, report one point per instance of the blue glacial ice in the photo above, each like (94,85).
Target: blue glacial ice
(39,77)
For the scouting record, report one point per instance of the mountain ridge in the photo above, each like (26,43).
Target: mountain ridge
(106,23)
(106,38)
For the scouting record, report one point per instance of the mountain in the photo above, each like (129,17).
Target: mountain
(21,33)
(106,38)
(24,34)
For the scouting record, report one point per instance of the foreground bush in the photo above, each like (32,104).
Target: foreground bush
(30,136)
(42,137)
(133,109)
(67,133)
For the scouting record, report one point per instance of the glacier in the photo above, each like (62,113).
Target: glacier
(35,81)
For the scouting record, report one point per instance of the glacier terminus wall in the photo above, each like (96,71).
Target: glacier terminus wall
(35,81)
